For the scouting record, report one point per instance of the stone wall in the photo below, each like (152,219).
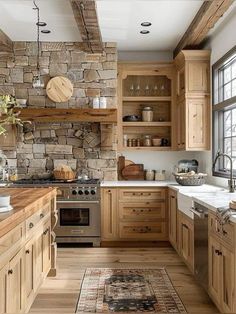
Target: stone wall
(40,146)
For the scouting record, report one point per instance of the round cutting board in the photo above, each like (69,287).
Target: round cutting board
(59,89)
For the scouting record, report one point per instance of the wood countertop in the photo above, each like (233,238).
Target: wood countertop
(25,202)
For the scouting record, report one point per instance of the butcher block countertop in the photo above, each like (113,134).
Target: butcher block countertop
(25,202)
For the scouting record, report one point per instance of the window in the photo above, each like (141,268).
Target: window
(224,111)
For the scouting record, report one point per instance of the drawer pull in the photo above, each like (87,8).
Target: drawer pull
(225,232)
(27,251)
(31,225)
(10,272)
(46,231)
(41,216)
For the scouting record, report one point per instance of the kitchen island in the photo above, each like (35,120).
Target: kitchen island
(27,246)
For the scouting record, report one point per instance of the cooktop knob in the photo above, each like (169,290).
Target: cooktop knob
(86,192)
(93,192)
(80,192)
(74,192)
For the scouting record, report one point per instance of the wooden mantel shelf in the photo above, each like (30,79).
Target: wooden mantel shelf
(72,115)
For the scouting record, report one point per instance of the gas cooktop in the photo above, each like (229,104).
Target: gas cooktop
(54,181)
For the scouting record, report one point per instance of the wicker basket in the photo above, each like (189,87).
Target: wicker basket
(194,180)
(63,175)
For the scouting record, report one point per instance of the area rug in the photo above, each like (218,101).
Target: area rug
(114,290)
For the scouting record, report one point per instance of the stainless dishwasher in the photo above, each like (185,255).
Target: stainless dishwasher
(201,244)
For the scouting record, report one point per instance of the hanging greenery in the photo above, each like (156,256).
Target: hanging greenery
(8,115)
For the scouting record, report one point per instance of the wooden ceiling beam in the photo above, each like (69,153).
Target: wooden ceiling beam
(85,13)
(205,19)
(5,43)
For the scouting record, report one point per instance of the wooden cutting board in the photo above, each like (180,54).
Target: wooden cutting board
(59,89)
(133,172)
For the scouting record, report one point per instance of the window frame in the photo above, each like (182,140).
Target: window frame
(217,112)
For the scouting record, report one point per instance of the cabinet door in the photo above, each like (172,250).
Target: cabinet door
(173,218)
(46,247)
(3,289)
(214,269)
(181,125)
(198,76)
(8,140)
(228,283)
(29,266)
(186,240)
(198,125)
(15,282)
(109,214)
(38,261)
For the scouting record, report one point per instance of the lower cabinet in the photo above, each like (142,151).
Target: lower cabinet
(173,218)
(222,274)
(22,274)
(186,239)
(134,214)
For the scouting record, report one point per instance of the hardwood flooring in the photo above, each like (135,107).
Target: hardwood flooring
(60,294)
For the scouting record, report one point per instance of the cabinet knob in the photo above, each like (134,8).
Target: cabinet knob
(31,225)
(27,251)
(10,271)
(41,216)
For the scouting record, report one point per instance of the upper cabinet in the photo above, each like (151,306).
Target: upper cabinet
(193,112)
(146,92)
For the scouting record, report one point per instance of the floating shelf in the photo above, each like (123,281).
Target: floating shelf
(73,115)
(141,123)
(147,98)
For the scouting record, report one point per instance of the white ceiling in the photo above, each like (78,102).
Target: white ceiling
(120,22)
(17,20)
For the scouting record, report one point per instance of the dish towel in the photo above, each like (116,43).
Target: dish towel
(223,215)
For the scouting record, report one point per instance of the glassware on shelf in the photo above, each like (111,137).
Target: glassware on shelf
(147,140)
(155,90)
(149,175)
(147,114)
(131,90)
(137,90)
(125,140)
(147,90)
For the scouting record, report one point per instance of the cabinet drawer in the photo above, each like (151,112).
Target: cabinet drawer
(12,238)
(225,232)
(140,231)
(136,195)
(33,221)
(142,211)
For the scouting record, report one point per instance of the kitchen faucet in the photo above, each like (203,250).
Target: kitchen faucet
(231,181)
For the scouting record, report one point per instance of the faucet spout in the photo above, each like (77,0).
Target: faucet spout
(231,181)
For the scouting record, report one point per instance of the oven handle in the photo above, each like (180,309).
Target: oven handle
(80,202)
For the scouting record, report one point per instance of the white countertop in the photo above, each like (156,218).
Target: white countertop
(207,195)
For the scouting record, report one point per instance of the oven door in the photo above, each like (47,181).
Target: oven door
(78,219)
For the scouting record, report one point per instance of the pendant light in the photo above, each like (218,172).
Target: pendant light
(37,79)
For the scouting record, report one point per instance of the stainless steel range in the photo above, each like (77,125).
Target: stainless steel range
(79,213)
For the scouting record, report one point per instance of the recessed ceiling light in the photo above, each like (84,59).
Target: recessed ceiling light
(144,31)
(41,24)
(146,24)
(45,31)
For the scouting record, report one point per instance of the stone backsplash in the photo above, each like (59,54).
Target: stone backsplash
(41,146)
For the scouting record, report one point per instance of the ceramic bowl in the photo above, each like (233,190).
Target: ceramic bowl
(4,200)
(156,141)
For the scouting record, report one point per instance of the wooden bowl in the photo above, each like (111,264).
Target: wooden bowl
(156,141)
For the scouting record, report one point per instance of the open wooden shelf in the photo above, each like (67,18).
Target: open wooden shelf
(156,148)
(147,98)
(141,123)
(73,115)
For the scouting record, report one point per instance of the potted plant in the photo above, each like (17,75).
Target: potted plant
(8,115)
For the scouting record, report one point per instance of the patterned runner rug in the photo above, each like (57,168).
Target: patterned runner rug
(114,290)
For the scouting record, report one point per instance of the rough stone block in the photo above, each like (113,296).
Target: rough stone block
(21,60)
(36,101)
(58,149)
(108,74)
(78,92)
(91,75)
(109,65)
(111,57)
(74,141)
(24,148)
(77,57)
(92,92)
(28,77)
(78,152)
(57,69)
(38,148)
(17,75)
(60,57)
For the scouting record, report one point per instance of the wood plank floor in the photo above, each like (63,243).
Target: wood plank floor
(60,294)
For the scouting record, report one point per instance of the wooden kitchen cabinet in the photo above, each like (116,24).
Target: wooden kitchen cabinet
(186,239)
(134,214)
(222,265)
(3,289)
(193,110)
(30,268)
(15,283)
(109,219)
(46,247)
(173,218)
